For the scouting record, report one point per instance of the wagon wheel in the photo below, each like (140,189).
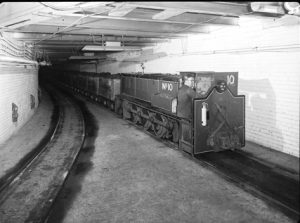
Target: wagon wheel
(165,131)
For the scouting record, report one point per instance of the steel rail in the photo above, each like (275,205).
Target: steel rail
(54,149)
(8,180)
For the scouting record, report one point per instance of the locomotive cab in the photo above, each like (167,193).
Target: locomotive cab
(218,116)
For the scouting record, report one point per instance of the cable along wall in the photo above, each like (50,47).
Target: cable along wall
(18,86)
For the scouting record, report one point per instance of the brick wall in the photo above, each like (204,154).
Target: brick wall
(17,83)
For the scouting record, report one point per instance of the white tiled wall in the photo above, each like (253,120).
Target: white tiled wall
(16,85)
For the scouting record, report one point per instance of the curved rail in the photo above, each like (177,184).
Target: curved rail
(8,178)
(31,192)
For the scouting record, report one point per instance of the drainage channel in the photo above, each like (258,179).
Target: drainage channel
(271,184)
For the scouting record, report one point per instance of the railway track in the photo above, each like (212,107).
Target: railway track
(31,188)
(12,174)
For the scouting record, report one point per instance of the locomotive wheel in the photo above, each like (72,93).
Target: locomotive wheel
(147,125)
(126,108)
(139,114)
(152,124)
(155,128)
(161,131)
(118,107)
(136,119)
(158,129)
(175,132)
(165,131)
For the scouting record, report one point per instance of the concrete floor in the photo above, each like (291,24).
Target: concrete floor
(127,176)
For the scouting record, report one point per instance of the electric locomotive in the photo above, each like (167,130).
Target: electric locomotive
(201,111)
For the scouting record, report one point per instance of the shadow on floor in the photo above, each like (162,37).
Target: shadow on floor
(81,167)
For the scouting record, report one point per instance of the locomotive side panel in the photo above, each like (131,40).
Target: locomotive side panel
(128,85)
(167,97)
(142,90)
(139,87)
(153,87)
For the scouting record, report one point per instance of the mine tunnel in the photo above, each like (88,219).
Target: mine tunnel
(149,111)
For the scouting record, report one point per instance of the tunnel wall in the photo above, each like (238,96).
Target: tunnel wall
(17,84)
(18,91)
(266,55)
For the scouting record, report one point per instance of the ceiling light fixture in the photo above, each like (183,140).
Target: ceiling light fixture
(109,48)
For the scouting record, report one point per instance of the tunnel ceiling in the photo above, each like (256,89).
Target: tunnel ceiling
(61,30)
